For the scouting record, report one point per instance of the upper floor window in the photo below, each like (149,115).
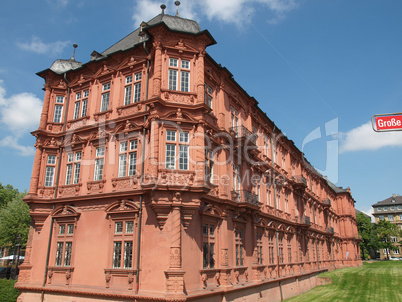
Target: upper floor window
(385,208)
(81,104)
(239,247)
(128,158)
(259,241)
(208,95)
(390,217)
(105,97)
(50,168)
(64,244)
(99,162)
(209,165)
(132,90)
(174,144)
(73,168)
(58,109)
(179,74)
(379,209)
(392,208)
(208,246)
(123,244)
(236,177)
(234,117)
(399,207)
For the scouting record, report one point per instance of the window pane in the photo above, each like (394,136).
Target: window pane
(211,255)
(172,79)
(62,229)
(105,102)
(100,151)
(137,92)
(84,108)
(185,64)
(205,229)
(138,76)
(51,159)
(69,174)
(122,165)
(77,173)
(106,86)
(118,228)
(60,99)
(49,176)
(70,229)
(98,169)
(132,163)
(78,96)
(59,253)
(129,79)
(205,254)
(67,254)
(77,110)
(173,62)
(185,81)
(128,254)
(123,147)
(117,254)
(70,157)
(171,135)
(78,156)
(170,156)
(183,137)
(183,157)
(58,109)
(129,227)
(133,145)
(127,95)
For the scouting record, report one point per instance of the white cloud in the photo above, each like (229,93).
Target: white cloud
(365,138)
(228,11)
(19,114)
(37,46)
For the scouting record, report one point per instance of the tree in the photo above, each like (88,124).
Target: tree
(7,193)
(385,230)
(369,240)
(14,221)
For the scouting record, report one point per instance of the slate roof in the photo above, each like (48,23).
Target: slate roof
(174,23)
(389,201)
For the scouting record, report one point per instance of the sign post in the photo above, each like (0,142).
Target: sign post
(387,122)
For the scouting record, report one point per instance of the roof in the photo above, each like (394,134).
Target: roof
(357,212)
(389,201)
(61,66)
(174,23)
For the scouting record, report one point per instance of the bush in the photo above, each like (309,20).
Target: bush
(7,291)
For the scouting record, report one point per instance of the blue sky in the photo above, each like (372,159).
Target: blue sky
(319,69)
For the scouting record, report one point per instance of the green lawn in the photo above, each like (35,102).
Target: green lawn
(378,281)
(7,291)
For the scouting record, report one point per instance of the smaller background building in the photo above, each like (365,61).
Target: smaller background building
(390,209)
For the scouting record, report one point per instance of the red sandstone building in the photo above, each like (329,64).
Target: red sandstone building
(158,178)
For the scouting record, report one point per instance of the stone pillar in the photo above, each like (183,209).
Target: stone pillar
(154,150)
(45,109)
(225,274)
(175,275)
(199,155)
(200,77)
(157,77)
(33,188)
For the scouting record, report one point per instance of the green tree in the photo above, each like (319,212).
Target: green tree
(7,193)
(14,221)
(385,230)
(369,240)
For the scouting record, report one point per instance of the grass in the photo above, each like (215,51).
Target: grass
(7,291)
(377,281)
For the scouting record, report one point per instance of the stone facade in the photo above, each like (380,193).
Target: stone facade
(157,177)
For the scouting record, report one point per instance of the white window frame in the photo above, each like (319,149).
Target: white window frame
(179,74)
(99,163)
(177,150)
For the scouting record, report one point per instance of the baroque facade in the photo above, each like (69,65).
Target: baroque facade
(158,178)
(390,209)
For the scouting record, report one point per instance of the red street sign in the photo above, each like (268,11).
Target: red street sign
(387,122)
